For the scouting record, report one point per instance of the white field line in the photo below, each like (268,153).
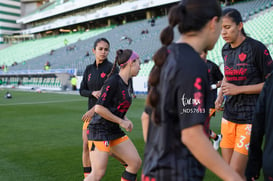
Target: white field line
(42,102)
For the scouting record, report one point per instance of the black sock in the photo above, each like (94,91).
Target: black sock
(128,176)
(86,171)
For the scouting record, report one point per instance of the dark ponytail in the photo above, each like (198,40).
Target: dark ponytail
(166,38)
(121,57)
(190,15)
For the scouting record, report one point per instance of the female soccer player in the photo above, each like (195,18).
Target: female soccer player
(178,145)
(247,64)
(105,134)
(93,78)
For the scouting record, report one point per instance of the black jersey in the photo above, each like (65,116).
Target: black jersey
(116,98)
(93,79)
(184,89)
(215,75)
(262,126)
(249,63)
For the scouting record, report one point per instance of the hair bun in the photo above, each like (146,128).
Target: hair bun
(119,52)
(160,56)
(153,96)
(154,76)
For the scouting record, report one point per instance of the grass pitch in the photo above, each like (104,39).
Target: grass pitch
(40,137)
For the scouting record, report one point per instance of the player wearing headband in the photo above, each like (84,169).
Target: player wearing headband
(105,134)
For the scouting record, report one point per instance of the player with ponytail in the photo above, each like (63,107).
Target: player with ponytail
(177,144)
(105,133)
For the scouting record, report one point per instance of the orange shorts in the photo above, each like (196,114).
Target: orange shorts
(106,145)
(85,125)
(236,136)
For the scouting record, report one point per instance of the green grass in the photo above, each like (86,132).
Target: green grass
(40,137)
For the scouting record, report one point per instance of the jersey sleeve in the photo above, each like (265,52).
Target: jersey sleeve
(263,60)
(108,92)
(84,91)
(148,110)
(191,100)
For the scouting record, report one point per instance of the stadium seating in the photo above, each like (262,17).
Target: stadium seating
(34,48)
(258,27)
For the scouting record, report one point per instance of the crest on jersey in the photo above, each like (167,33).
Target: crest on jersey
(242,57)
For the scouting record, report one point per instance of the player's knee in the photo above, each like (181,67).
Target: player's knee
(136,164)
(238,170)
(139,162)
(98,174)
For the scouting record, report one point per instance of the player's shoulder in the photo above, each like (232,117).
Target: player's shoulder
(255,44)
(113,79)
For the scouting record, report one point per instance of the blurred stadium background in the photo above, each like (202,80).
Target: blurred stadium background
(33,32)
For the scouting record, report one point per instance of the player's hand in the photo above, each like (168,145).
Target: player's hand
(230,89)
(88,116)
(96,94)
(218,102)
(126,124)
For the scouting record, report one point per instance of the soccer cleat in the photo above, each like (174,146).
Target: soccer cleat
(216,143)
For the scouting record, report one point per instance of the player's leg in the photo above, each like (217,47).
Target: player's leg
(238,163)
(127,152)
(119,159)
(240,154)
(227,154)
(228,139)
(99,153)
(85,152)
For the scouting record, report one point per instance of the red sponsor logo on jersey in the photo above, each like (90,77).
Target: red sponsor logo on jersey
(123,94)
(242,64)
(197,83)
(102,75)
(242,57)
(266,52)
(105,94)
(209,70)
(89,77)
(231,71)
(107,88)
(124,106)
